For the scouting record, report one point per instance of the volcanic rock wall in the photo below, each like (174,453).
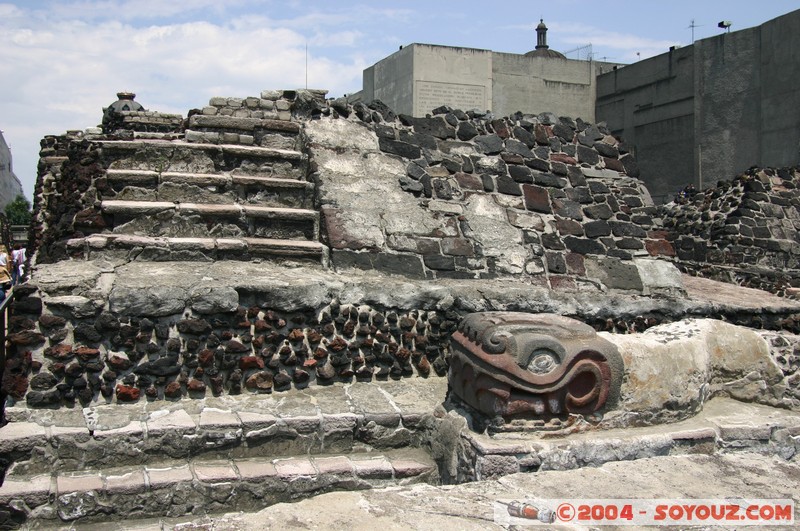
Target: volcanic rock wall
(743,231)
(552,201)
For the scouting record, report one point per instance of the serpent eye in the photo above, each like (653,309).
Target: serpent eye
(542,361)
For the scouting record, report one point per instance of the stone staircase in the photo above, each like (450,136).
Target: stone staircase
(155,460)
(211,195)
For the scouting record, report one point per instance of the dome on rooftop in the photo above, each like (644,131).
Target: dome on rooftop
(542,49)
(546,52)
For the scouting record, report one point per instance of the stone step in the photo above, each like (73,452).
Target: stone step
(337,419)
(172,219)
(190,157)
(233,123)
(208,188)
(181,249)
(216,129)
(178,487)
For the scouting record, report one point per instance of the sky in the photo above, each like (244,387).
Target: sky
(62,61)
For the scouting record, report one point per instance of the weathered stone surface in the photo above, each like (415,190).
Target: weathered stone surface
(536,199)
(672,369)
(155,302)
(614,273)
(584,246)
(489,227)
(489,144)
(80,307)
(193,326)
(26,338)
(43,381)
(208,300)
(402,149)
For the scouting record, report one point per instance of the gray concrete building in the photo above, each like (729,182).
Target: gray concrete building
(10,186)
(708,111)
(420,77)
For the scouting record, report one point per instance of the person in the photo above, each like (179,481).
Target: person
(5,271)
(18,264)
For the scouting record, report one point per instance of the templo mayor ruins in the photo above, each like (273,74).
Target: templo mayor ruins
(453,287)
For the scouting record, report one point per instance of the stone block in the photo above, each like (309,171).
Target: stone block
(567,209)
(468,181)
(255,469)
(520,174)
(66,483)
(372,468)
(403,264)
(584,246)
(445,207)
(339,465)
(536,198)
(593,173)
(525,220)
(659,277)
(132,482)
(396,147)
(507,185)
(614,273)
(489,144)
(439,262)
(212,418)
(162,478)
(214,472)
(556,263)
(20,437)
(165,421)
(457,247)
(407,468)
(295,466)
(549,180)
(587,155)
(34,491)
(496,466)
(659,248)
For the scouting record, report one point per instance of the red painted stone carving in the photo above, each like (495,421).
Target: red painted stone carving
(532,366)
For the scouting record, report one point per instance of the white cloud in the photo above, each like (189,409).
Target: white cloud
(130,10)
(624,46)
(65,70)
(9,11)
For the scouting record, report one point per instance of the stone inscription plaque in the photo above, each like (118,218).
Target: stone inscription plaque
(431,94)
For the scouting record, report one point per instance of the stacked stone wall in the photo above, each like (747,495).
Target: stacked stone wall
(552,200)
(743,231)
(64,195)
(268,121)
(140,122)
(147,121)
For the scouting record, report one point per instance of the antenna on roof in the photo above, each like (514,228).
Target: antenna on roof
(692,25)
(581,52)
